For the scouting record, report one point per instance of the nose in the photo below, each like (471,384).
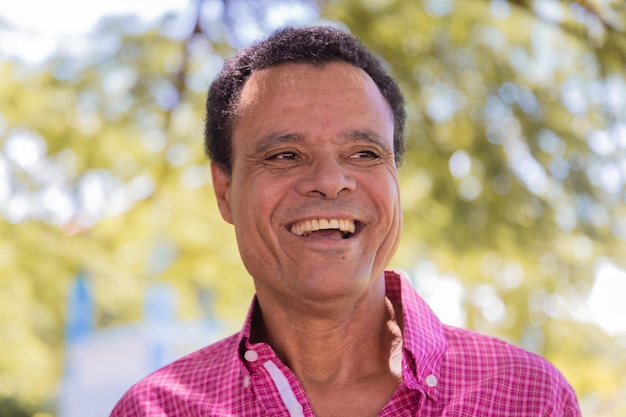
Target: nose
(327,179)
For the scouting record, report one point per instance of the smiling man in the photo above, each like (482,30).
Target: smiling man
(305,133)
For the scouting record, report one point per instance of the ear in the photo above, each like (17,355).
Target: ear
(221,186)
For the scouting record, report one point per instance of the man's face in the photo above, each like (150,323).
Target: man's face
(313,192)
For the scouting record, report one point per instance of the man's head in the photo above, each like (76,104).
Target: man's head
(309,45)
(306,169)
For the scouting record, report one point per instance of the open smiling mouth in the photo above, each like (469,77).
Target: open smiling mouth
(325,227)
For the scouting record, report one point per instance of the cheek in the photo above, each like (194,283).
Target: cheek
(389,194)
(255,202)
(393,209)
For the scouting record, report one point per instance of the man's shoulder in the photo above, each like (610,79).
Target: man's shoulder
(200,366)
(482,352)
(490,366)
(196,379)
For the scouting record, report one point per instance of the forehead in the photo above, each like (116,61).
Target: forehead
(293,81)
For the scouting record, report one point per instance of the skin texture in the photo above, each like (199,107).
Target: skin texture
(317,143)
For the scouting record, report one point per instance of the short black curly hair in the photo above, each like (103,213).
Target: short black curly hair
(315,45)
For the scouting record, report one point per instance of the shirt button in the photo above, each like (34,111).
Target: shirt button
(251,355)
(431,380)
(246,381)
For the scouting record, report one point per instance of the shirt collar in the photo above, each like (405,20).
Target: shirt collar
(424,341)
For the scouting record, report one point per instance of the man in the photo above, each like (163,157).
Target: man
(304,131)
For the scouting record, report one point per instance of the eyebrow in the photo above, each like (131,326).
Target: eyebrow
(367,136)
(274,140)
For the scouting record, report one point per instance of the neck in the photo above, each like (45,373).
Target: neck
(334,344)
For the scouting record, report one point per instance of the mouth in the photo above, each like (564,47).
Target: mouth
(342,228)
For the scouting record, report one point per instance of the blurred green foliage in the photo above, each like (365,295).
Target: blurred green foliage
(514,180)
(513,183)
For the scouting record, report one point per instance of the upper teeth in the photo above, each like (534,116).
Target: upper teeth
(308,226)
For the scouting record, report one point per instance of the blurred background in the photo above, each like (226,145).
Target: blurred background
(114,259)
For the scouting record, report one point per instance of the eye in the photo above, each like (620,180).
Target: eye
(365,155)
(284,155)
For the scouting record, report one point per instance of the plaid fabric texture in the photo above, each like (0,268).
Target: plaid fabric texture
(447,371)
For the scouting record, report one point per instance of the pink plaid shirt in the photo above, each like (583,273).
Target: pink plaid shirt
(447,371)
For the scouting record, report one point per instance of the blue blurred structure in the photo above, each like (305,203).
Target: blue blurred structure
(80,309)
(100,365)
